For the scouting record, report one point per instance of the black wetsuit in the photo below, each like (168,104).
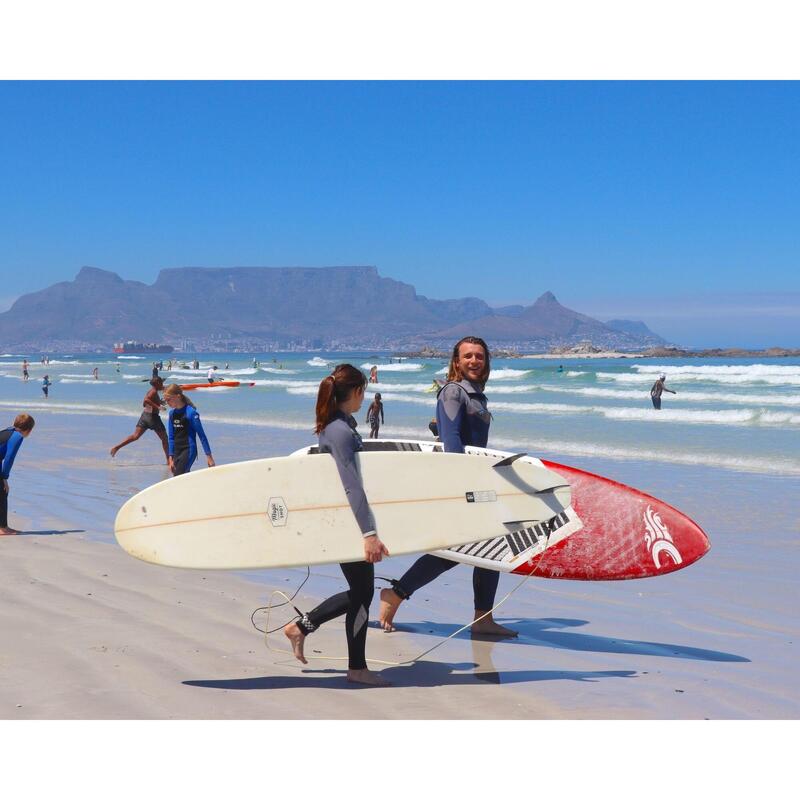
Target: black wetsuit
(342,441)
(462,418)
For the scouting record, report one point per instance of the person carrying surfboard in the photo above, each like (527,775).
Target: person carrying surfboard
(339,397)
(182,429)
(10,441)
(150,420)
(462,418)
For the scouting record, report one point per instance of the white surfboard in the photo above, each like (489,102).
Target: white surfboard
(293,511)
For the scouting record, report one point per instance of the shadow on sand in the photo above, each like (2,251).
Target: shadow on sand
(47,533)
(420,674)
(551,632)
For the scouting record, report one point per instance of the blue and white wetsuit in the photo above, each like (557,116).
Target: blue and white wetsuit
(183,428)
(10,441)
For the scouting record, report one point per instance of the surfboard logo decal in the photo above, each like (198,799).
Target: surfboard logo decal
(277,512)
(488,496)
(658,539)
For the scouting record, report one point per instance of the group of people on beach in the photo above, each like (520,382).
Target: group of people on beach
(462,419)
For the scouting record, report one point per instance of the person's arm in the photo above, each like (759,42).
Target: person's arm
(197,427)
(671,391)
(342,448)
(369,410)
(14,442)
(450,410)
(382,420)
(171,434)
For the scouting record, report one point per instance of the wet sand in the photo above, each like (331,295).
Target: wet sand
(90,633)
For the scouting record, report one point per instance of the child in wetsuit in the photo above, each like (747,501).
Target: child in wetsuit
(375,416)
(10,441)
(182,429)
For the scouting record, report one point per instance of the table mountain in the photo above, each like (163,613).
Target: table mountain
(272,307)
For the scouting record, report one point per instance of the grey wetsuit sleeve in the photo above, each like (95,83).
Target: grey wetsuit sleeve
(449,414)
(341,445)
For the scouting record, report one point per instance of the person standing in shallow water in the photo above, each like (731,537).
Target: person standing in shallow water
(339,397)
(462,418)
(375,416)
(657,388)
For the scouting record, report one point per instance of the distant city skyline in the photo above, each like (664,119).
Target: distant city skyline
(673,203)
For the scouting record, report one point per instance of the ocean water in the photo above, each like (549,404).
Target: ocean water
(733,414)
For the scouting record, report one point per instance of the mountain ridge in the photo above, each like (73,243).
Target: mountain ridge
(337,307)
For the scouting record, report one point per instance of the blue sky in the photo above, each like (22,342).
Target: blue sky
(674,203)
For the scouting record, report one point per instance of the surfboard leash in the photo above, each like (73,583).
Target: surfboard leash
(299,615)
(268,608)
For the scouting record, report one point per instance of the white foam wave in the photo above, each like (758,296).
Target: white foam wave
(131,358)
(72,408)
(683,396)
(404,367)
(243,371)
(729,379)
(279,371)
(505,374)
(574,374)
(77,380)
(317,362)
(290,383)
(735,417)
(130,377)
(720,369)
(664,455)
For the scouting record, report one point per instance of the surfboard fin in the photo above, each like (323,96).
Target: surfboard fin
(504,462)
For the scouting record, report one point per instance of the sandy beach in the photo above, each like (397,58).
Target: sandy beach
(90,633)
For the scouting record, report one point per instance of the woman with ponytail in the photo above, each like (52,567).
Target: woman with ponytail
(340,396)
(462,418)
(182,429)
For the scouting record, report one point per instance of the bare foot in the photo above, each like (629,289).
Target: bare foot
(8,532)
(488,627)
(114,451)
(297,638)
(367,677)
(390,602)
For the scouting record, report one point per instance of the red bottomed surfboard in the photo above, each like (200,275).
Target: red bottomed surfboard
(610,531)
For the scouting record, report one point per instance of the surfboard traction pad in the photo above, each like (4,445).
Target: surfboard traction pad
(502,553)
